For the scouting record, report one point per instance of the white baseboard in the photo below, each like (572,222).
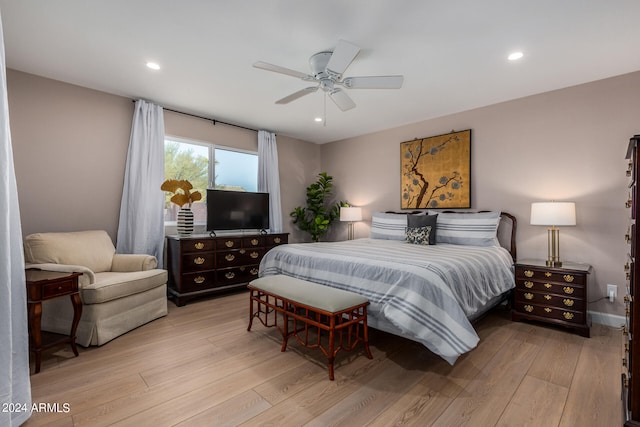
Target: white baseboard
(613,320)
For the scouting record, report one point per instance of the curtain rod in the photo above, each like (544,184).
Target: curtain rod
(206,118)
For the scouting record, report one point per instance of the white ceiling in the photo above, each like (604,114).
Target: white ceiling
(451,53)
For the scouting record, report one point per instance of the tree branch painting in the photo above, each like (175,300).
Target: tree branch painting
(436,171)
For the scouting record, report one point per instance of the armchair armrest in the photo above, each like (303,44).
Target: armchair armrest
(133,262)
(88,277)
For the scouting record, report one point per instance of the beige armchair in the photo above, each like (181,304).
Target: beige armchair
(119,292)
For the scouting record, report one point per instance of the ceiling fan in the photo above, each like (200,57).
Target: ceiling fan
(327,69)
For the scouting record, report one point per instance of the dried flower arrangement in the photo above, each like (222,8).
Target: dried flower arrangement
(184,197)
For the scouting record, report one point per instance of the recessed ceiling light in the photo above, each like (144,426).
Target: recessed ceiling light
(515,56)
(153,65)
(318,119)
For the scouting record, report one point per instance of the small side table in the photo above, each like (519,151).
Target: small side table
(556,295)
(43,285)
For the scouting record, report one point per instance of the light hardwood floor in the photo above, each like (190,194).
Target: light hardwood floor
(199,366)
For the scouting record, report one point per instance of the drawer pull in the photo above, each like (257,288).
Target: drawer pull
(253,271)
(277,240)
(230,275)
(629,169)
(567,315)
(528,308)
(528,273)
(199,245)
(547,285)
(548,297)
(547,274)
(242,251)
(199,260)
(568,302)
(627,299)
(229,243)
(528,284)
(626,266)
(547,309)
(199,280)
(627,204)
(59,288)
(624,362)
(254,255)
(528,295)
(568,290)
(568,278)
(230,257)
(625,330)
(255,242)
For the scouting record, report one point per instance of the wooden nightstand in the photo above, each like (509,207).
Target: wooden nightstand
(556,295)
(43,285)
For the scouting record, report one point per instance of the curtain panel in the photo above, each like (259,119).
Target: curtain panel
(141,226)
(15,387)
(269,177)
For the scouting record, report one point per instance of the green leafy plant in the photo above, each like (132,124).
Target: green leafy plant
(317,216)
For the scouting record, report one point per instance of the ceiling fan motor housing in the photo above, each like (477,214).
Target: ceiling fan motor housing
(318,64)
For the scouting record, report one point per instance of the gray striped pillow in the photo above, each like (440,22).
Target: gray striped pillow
(474,229)
(388,226)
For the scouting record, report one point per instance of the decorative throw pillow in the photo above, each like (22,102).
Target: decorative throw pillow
(418,235)
(423,221)
(475,229)
(388,226)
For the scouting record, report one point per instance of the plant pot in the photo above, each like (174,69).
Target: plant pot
(185,222)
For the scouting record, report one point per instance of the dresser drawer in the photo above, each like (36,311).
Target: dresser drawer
(194,282)
(229,243)
(197,245)
(546,298)
(275,240)
(253,242)
(198,261)
(239,257)
(229,276)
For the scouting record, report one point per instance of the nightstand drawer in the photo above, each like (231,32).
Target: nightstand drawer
(549,299)
(59,288)
(570,290)
(550,312)
(526,273)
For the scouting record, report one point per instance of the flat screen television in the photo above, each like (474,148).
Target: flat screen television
(237,210)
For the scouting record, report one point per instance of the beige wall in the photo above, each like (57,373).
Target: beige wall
(566,145)
(70,147)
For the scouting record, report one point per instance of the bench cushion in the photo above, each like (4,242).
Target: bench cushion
(311,294)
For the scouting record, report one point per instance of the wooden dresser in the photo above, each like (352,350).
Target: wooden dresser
(631,342)
(203,265)
(556,295)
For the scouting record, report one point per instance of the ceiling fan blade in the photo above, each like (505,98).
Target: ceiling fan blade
(374,82)
(341,57)
(296,95)
(281,70)
(341,99)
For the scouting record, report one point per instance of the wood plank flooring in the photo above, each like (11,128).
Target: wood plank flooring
(199,366)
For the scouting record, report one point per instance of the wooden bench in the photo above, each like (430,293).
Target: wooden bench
(321,317)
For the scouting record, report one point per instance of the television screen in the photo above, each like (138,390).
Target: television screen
(237,210)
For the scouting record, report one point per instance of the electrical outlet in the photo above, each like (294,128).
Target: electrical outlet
(612,292)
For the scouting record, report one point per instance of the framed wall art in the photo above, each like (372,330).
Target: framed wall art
(436,171)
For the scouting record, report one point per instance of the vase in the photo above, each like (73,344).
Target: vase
(185,222)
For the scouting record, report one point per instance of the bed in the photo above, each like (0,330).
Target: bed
(429,293)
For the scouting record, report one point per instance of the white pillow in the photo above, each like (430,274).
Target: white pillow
(474,229)
(388,226)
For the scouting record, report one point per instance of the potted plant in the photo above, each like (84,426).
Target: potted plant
(317,216)
(182,195)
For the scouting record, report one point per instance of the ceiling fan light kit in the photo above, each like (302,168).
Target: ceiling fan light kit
(327,69)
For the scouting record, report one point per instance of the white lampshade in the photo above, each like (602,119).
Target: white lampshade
(350,213)
(553,213)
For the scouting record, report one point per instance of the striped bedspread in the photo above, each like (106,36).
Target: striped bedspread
(424,293)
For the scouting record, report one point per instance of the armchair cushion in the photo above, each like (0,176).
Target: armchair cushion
(92,249)
(113,285)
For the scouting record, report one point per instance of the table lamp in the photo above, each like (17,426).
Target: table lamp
(553,214)
(350,214)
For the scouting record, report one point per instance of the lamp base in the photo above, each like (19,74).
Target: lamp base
(551,263)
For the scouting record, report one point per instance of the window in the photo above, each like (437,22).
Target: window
(205,166)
